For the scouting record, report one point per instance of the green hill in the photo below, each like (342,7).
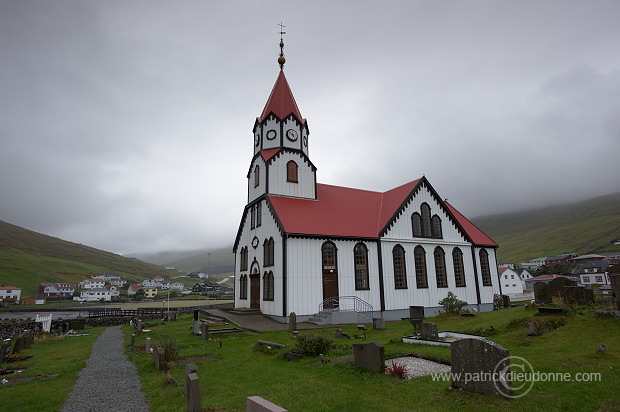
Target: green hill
(585,227)
(27,258)
(217,261)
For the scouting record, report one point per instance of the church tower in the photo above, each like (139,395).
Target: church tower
(281,165)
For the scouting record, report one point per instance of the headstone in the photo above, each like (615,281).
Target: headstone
(77,324)
(532,329)
(295,334)
(189,368)
(292,322)
(196,327)
(429,331)
(133,341)
(158,357)
(204,330)
(19,343)
(498,302)
(556,288)
(578,295)
(484,359)
(416,312)
(258,404)
(506,301)
(614,278)
(5,351)
(192,397)
(147,346)
(369,356)
(290,356)
(171,316)
(378,323)
(139,325)
(196,315)
(541,293)
(416,323)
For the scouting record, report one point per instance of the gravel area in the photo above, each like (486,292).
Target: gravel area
(416,367)
(109,382)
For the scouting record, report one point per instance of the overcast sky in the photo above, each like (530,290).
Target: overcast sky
(127,125)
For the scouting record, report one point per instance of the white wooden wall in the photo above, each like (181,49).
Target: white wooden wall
(255,192)
(305,187)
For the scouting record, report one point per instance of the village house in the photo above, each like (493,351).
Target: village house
(155,282)
(533,264)
(594,273)
(92,284)
(133,289)
(93,295)
(55,289)
(150,293)
(115,291)
(562,258)
(10,294)
(305,247)
(513,282)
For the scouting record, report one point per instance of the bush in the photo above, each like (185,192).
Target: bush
(397,370)
(452,304)
(171,351)
(314,344)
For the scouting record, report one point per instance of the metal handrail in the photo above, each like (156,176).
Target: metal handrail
(347,303)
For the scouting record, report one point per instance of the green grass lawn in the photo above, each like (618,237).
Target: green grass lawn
(235,370)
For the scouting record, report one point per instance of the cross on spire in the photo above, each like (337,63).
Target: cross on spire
(281,59)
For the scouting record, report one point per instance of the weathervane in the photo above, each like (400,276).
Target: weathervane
(281,59)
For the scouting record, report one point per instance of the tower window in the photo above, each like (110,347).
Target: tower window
(426,220)
(436,227)
(256,176)
(291,172)
(259,214)
(416,223)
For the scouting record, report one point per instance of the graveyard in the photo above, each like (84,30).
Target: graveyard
(232,366)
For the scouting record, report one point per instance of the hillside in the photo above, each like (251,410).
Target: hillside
(27,258)
(217,261)
(584,227)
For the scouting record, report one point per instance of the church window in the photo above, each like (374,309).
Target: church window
(360,255)
(291,172)
(436,227)
(421,279)
(252,217)
(416,223)
(256,176)
(268,247)
(426,220)
(243,287)
(268,286)
(259,214)
(244,258)
(329,257)
(440,268)
(457,261)
(484,268)
(400,270)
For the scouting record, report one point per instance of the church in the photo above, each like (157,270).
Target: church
(307,247)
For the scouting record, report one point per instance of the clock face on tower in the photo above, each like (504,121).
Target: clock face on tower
(291,135)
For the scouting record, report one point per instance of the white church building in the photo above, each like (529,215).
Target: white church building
(305,247)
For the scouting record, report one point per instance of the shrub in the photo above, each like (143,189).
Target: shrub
(171,351)
(314,344)
(452,304)
(397,370)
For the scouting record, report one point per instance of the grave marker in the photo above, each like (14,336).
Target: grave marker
(292,322)
(258,404)
(370,356)
(378,323)
(429,331)
(193,392)
(189,368)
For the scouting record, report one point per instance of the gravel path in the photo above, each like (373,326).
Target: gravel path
(109,382)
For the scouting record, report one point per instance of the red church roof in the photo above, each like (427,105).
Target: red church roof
(269,153)
(281,101)
(475,234)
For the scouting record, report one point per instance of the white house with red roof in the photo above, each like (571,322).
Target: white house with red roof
(10,294)
(304,247)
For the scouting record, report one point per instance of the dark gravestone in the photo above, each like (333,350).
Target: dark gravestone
(204,330)
(578,295)
(77,324)
(416,312)
(471,358)
(189,368)
(196,315)
(498,302)
(429,331)
(614,278)
(292,322)
(192,397)
(532,329)
(258,404)
(19,343)
(147,345)
(369,356)
(5,351)
(541,293)
(290,356)
(556,288)
(378,323)
(133,341)
(158,358)
(196,327)
(506,301)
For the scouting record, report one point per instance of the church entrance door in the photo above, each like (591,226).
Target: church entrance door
(254,291)
(330,288)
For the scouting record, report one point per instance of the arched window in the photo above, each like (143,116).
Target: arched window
(419,256)
(484,268)
(268,247)
(426,220)
(259,213)
(268,286)
(360,256)
(416,223)
(256,176)
(440,267)
(252,217)
(400,270)
(243,287)
(436,227)
(459,271)
(291,172)
(244,259)
(329,256)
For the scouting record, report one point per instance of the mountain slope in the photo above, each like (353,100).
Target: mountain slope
(583,227)
(27,258)
(214,262)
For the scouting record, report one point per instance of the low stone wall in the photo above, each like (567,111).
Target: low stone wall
(11,328)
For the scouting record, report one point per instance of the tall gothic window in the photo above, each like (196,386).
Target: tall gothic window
(400,270)
(419,255)
(244,259)
(484,268)
(252,217)
(243,287)
(360,255)
(256,176)
(459,269)
(268,249)
(436,227)
(416,223)
(440,267)
(426,220)
(291,172)
(329,256)
(259,213)
(268,286)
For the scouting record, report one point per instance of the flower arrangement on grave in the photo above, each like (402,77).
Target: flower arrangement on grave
(397,370)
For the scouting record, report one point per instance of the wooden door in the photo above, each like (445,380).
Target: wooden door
(255,291)
(330,274)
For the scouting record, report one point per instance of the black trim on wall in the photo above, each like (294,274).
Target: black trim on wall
(284,252)
(381,287)
(499,281)
(473,256)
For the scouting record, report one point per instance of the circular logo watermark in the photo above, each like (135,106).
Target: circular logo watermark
(514,375)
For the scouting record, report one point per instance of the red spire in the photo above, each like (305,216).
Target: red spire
(281,101)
